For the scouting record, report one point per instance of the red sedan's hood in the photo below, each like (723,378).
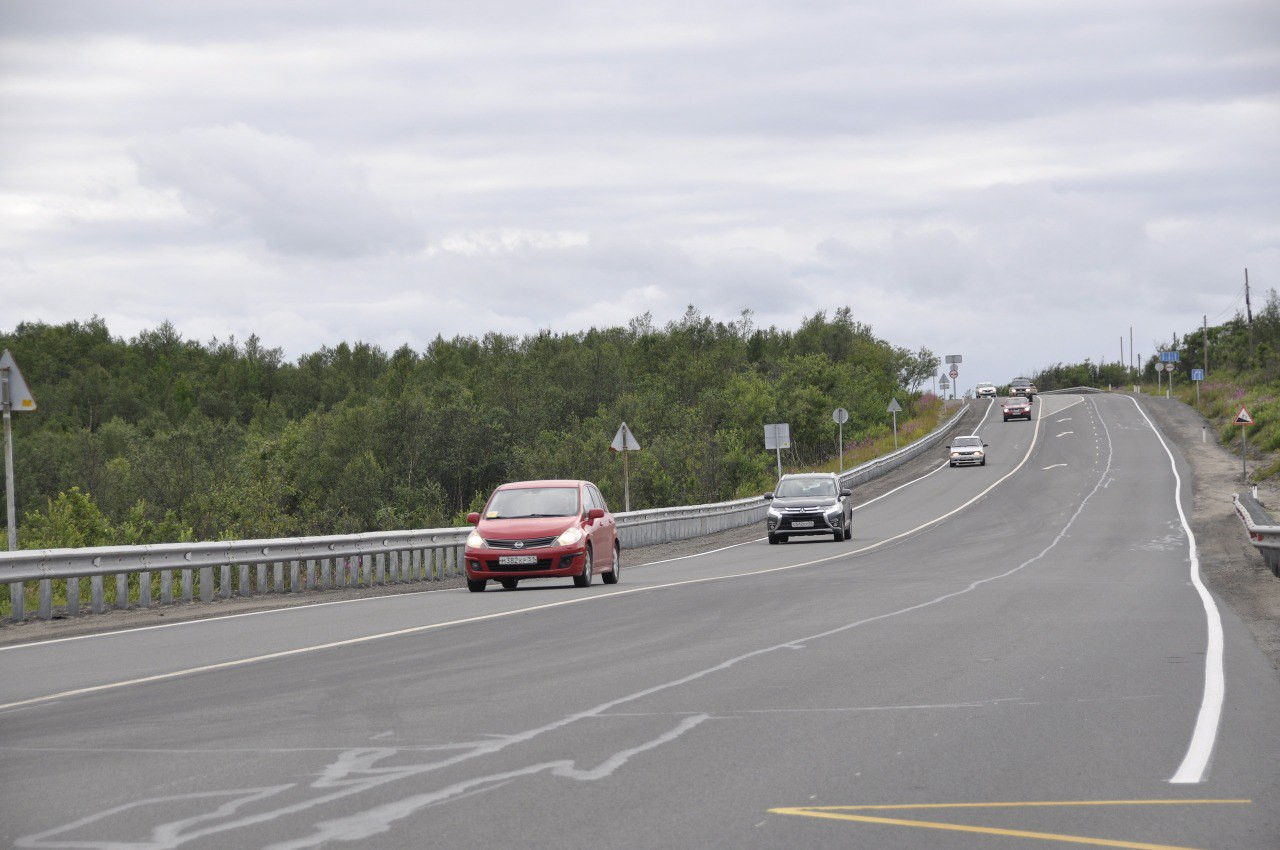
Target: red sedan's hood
(523,529)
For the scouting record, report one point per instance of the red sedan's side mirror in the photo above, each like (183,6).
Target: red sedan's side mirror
(595,514)
(473,518)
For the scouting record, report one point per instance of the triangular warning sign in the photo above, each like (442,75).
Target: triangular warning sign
(1243,417)
(18,392)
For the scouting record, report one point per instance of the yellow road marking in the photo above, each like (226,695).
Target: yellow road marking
(841,813)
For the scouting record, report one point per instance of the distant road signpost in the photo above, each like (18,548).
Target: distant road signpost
(778,437)
(841,416)
(1197,375)
(624,441)
(15,395)
(894,407)
(1243,419)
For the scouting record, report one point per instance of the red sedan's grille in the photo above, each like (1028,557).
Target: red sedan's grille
(531,543)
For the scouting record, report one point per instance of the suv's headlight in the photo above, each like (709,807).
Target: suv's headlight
(835,509)
(774,512)
(570,536)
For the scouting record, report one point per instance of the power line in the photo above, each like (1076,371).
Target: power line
(1234,304)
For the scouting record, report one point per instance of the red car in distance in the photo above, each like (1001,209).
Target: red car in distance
(1017,408)
(542,529)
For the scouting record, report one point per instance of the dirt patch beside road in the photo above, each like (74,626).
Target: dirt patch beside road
(1232,568)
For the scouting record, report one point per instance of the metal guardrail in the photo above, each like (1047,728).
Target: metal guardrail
(879,466)
(145,574)
(1264,534)
(1072,391)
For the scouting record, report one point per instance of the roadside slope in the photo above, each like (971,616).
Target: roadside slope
(1232,568)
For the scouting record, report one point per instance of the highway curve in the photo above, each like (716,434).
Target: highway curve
(1005,655)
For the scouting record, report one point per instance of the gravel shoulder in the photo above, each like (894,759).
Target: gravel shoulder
(1231,567)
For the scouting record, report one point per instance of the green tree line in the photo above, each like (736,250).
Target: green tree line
(1246,349)
(163,438)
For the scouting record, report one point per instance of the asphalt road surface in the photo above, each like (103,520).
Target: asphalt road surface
(1002,655)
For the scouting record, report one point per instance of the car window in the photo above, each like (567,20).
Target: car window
(793,488)
(966,441)
(596,498)
(533,502)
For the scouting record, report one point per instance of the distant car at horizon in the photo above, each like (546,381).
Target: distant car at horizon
(986,389)
(968,451)
(542,529)
(1016,407)
(1023,387)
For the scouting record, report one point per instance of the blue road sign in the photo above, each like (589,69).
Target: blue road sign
(1168,357)
(1197,374)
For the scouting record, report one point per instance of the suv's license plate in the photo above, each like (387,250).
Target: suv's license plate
(517,559)
(808,523)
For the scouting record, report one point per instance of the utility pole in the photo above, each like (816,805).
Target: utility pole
(1122,350)
(1249,312)
(1206,348)
(1131,366)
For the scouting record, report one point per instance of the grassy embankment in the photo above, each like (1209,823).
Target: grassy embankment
(1221,397)
(878,442)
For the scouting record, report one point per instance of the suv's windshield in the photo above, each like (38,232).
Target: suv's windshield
(532,502)
(792,488)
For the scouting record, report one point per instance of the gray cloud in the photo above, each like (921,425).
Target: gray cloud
(276,189)
(323,171)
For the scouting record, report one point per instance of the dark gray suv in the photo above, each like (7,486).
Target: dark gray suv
(809,503)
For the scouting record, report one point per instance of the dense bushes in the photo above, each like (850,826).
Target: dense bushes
(172,439)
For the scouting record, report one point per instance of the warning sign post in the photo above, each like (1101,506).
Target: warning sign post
(1244,420)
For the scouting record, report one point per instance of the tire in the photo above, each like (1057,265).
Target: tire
(588,568)
(773,539)
(614,574)
(848,530)
(509,583)
(476,585)
(838,535)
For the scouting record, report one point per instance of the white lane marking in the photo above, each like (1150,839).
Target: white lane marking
(286,653)
(1196,761)
(1067,419)
(1065,433)
(215,619)
(1055,466)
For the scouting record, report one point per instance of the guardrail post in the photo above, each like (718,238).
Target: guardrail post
(96,603)
(122,591)
(206,584)
(294,576)
(277,586)
(73,597)
(260,573)
(186,585)
(166,587)
(366,571)
(380,568)
(46,599)
(242,579)
(224,581)
(144,589)
(326,573)
(16,594)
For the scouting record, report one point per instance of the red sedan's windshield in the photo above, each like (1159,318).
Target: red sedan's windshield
(522,502)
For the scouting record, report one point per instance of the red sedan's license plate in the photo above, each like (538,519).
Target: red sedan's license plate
(806,523)
(517,559)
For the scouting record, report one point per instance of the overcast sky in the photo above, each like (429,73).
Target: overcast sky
(1016,182)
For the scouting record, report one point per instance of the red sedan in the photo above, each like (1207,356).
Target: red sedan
(1017,408)
(542,529)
